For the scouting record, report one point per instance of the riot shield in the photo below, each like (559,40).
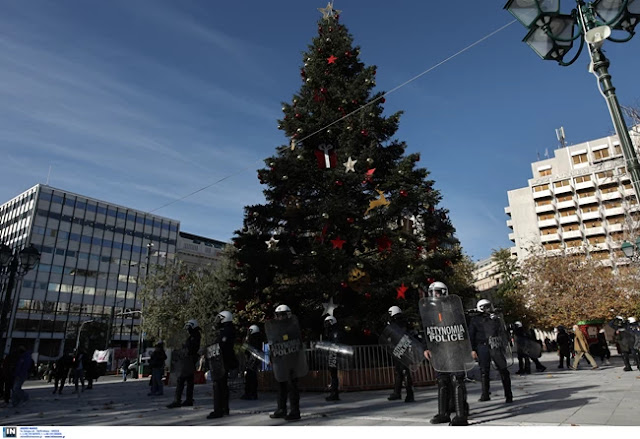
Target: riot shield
(498,342)
(528,347)
(285,349)
(402,346)
(446,333)
(625,339)
(216,364)
(256,357)
(336,355)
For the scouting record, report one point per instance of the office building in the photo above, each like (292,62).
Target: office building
(579,201)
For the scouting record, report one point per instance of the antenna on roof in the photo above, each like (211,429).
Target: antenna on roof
(560,136)
(48,175)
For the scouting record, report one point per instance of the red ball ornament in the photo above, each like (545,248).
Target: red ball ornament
(350,220)
(330,29)
(239,264)
(319,49)
(375,71)
(383,100)
(303,73)
(367,295)
(297,116)
(404,193)
(367,332)
(347,54)
(364,133)
(338,183)
(417,159)
(319,29)
(354,101)
(343,284)
(323,90)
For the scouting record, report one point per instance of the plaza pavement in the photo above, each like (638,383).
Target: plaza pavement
(557,397)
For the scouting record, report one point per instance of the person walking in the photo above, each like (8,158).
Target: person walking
(190,357)
(254,341)
(605,354)
(402,372)
(564,347)
(78,370)
(60,372)
(581,348)
(124,368)
(20,375)
(225,340)
(156,362)
(333,334)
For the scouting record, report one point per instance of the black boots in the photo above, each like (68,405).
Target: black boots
(460,397)
(443,402)
(505,377)
(485,379)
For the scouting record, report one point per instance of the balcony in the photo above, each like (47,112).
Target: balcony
(590,215)
(605,181)
(615,227)
(588,200)
(510,223)
(628,192)
(545,208)
(566,204)
(547,223)
(613,211)
(542,194)
(550,238)
(562,190)
(512,237)
(585,185)
(611,196)
(574,250)
(569,219)
(593,231)
(571,234)
(601,246)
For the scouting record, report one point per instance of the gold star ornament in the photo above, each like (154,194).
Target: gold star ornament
(329,12)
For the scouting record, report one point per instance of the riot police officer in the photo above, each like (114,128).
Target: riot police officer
(254,340)
(225,339)
(402,372)
(288,366)
(488,341)
(332,333)
(451,385)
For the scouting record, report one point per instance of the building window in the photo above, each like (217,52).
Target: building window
(543,202)
(573,243)
(586,194)
(608,190)
(605,174)
(549,231)
(583,178)
(610,204)
(570,228)
(562,183)
(546,216)
(593,208)
(617,150)
(567,212)
(616,220)
(601,154)
(565,198)
(542,187)
(596,240)
(593,223)
(552,246)
(545,172)
(580,158)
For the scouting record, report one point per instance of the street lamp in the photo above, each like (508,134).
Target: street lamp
(629,249)
(110,328)
(80,332)
(551,35)
(13,263)
(140,338)
(140,334)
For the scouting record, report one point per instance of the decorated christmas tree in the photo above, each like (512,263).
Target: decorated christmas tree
(350,225)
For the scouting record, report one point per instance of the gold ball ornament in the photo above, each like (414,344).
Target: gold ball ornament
(299,157)
(308,79)
(314,253)
(284,177)
(325,215)
(369,160)
(299,130)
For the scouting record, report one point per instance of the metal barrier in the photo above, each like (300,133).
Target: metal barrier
(370,368)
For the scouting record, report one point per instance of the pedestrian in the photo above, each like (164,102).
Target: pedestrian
(78,370)
(124,368)
(486,332)
(402,372)
(289,361)
(632,327)
(452,390)
(251,364)
(20,375)
(61,370)
(156,362)
(564,347)
(526,342)
(581,348)
(624,339)
(90,372)
(605,354)
(187,365)
(225,340)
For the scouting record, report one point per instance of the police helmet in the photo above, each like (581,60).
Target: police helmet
(283,311)
(394,310)
(224,317)
(437,289)
(631,320)
(330,321)
(483,305)
(191,324)
(518,324)
(253,329)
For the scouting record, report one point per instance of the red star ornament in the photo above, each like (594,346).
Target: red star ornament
(338,242)
(369,175)
(384,243)
(331,60)
(401,290)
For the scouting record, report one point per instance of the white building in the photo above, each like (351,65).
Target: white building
(581,200)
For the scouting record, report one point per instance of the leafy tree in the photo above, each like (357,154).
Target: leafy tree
(348,216)
(507,295)
(179,292)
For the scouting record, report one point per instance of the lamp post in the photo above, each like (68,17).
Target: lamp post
(140,334)
(140,338)
(551,36)
(80,332)
(13,263)
(630,250)
(110,328)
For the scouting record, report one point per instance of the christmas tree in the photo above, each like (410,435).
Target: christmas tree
(349,220)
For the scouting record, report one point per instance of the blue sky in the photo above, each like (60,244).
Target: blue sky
(143,102)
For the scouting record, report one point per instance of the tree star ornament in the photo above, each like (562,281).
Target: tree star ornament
(338,242)
(401,290)
(271,244)
(329,307)
(349,165)
(331,60)
(329,12)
